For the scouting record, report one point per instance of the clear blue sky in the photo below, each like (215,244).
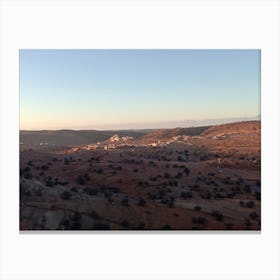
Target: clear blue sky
(97,89)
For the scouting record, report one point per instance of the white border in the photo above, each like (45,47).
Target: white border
(139,24)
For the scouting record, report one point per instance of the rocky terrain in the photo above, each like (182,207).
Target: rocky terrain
(204,178)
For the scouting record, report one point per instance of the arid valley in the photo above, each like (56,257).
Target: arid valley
(196,178)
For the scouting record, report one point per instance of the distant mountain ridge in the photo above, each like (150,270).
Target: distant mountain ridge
(71,137)
(83,137)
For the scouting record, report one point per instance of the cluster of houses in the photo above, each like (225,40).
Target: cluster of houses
(116,138)
(181,137)
(122,142)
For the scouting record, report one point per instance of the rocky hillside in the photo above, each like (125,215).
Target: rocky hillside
(248,127)
(169,133)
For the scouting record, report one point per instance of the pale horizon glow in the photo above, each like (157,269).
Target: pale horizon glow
(126,89)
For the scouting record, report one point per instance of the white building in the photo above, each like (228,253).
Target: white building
(115,138)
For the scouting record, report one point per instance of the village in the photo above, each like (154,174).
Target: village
(127,141)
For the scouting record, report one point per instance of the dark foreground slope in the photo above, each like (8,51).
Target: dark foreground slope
(211,181)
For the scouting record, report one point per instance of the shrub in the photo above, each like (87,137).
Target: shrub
(173,183)
(65,195)
(258,195)
(49,183)
(167,175)
(229,225)
(114,189)
(94,215)
(140,226)
(25,170)
(218,195)
(65,223)
(253,215)
(125,201)
(153,179)
(101,226)
(90,191)
(181,159)
(161,193)
(199,220)
(208,195)
(179,175)
(218,215)
(166,227)
(81,180)
(124,223)
(38,191)
(26,193)
(239,181)
(186,171)
(99,171)
(247,189)
(73,189)
(76,217)
(247,223)
(28,175)
(142,202)
(250,204)
(86,176)
(76,226)
(186,194)
(170,204)
(196,228)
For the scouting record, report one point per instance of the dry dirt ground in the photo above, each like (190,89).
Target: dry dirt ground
(212,182)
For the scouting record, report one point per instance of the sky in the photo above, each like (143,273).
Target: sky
(125,89)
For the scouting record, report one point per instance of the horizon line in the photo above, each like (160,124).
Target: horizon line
(145,128)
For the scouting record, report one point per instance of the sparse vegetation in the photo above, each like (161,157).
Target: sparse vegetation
(146,187)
